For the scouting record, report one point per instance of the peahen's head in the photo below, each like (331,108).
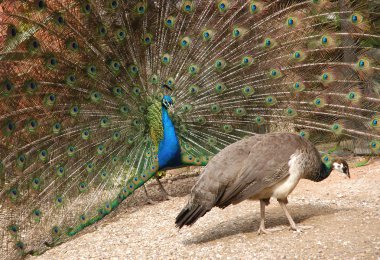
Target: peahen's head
(341,166)
(167,102)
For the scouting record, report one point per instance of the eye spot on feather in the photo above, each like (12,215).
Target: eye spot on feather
(170,22)
(41,4)
(35,44)
(375,122)
(223,6)
(236,32)
(59,19)
(14,192)
(13,31)
(354,18)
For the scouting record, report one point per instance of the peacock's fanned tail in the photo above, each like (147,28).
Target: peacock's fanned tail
(80,81)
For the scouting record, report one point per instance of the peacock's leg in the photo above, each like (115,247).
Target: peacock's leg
(149,200)
(167,196)
(293,225)
(262,229)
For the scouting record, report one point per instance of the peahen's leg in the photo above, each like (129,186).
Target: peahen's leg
(167,196)
(149,200)
(293,225)
(262,229)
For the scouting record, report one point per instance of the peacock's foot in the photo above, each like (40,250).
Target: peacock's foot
(300,229)
(263,230)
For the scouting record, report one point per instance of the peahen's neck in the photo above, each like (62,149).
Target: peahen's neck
(169,150)
(324,172)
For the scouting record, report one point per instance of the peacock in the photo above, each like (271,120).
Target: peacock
(97,97)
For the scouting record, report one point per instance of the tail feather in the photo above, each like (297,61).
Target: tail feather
(190,214)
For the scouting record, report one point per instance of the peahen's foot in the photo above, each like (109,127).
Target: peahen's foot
(263,230)
(300,229)
(293,225)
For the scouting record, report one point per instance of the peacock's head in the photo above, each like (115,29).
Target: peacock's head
(167,102)
(341,166)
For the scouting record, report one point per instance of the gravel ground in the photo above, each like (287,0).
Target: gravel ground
(344,213)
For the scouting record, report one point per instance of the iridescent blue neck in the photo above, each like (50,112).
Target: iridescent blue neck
(324,172)
(169,150)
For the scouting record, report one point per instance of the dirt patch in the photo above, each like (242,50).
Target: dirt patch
(344,213)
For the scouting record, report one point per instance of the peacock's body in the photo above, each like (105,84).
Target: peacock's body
(86,88)
(169,149)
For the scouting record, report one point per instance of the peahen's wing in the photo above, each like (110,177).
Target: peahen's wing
(253,177)
(236,170)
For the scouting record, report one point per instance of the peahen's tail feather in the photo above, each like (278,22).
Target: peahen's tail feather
(81,84)
(190,214)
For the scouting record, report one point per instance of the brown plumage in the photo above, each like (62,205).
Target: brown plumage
(258,168)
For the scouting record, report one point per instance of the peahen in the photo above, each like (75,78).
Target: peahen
(97,96)
(258,168)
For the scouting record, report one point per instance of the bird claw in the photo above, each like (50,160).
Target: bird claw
(300,229)
(263,230)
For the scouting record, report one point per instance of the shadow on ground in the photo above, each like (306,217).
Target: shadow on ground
(250,223)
